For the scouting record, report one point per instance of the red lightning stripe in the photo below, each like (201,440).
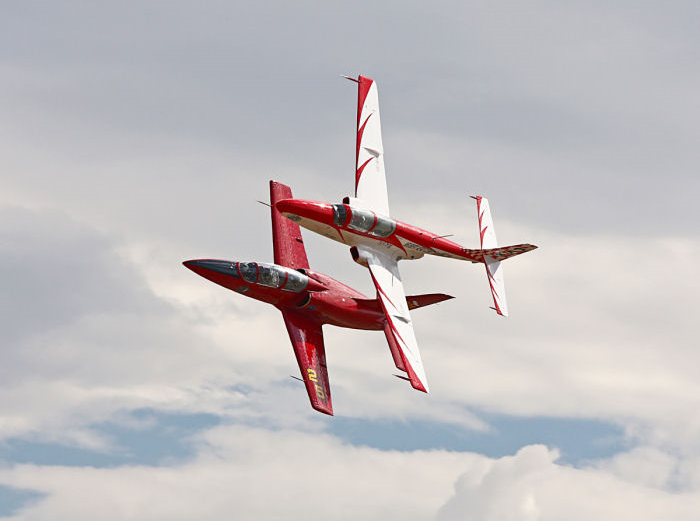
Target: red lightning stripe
(379,288)
(359,173)
(415,381)
(360,132)
(363,86)
(493,290)
(482,228)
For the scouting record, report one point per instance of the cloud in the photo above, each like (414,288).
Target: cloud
(532,486)
(135,137)
(559,113)
(83,336)
(249,473)
(127,327)
(255,473)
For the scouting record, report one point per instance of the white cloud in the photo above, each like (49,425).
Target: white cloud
(256,473)
(532,486)
(248,473)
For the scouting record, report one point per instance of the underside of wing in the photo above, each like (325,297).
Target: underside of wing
(307,341)
(370,179)
(399,327)
(286,234)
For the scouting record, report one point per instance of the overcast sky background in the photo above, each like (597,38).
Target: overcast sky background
(135,135)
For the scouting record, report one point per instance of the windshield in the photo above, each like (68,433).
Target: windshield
(340,214)
(249,271)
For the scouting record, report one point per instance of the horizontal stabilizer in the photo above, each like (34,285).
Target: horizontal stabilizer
(419,301)
(494,272)
(506,252)
(492,256)
(413,301)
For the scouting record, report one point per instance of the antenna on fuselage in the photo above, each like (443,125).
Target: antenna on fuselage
(266,204)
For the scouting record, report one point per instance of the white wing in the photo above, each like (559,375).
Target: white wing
(370,179)
(387,280)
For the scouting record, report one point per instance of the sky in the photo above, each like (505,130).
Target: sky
(136,135)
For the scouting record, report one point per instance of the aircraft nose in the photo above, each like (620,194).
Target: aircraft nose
(314,210)
(201,266)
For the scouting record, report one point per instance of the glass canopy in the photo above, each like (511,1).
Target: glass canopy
(365,221)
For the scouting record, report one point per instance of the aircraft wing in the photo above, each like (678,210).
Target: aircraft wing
(286,234)
(370,179)
(399,327)
(307,341)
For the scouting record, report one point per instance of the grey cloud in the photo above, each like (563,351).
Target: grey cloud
(56,270)
(83,336)
(577,119)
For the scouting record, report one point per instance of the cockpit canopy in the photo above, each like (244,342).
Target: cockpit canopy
(365,221)
(273,276)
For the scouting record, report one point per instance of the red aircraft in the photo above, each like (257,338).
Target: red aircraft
(307,299)
(378,242)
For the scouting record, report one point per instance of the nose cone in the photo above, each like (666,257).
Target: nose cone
(209,267)
(314,210)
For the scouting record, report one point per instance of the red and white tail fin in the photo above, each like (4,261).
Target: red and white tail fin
(494,271)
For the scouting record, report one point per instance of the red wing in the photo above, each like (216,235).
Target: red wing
(307,341)
(419,301)
(286,235)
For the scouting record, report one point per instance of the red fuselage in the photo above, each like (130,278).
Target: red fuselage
(356,227)
(320,297)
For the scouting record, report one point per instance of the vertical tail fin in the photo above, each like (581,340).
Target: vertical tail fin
(494,272)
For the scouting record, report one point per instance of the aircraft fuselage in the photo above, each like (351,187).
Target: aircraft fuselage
(357,227)
(320,297)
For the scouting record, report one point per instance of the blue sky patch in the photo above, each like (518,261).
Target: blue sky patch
(577,439)
(162,438)
(150,437)
(13,499)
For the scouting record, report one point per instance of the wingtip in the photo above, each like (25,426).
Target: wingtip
(324,410)
(421,387)
(500,312)
(418,386)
